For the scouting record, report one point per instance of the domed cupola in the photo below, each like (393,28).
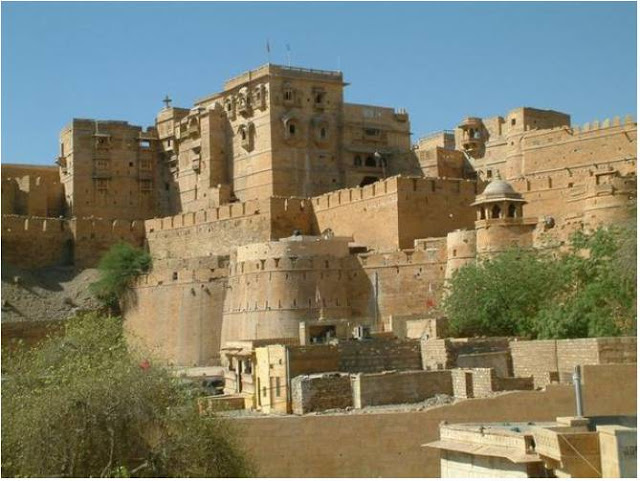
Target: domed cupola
(499,201)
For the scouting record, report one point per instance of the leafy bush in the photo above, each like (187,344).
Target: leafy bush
(82,405)
(118,268)
(586,292)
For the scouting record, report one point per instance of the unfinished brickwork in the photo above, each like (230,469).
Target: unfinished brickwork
(483,382)
(555,360)
(313,393)
(376,389)
(467,352)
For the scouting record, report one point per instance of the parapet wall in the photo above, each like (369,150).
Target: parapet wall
(549,360)
(399,387)
(320,392)
(35,242)
(94,237)
(217,231)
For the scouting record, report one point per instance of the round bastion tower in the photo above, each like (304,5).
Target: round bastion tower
(461,249)
(273,286)
(500,224)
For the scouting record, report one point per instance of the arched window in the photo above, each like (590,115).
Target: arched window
(292,128)
(357,161)
(482,214)
(512,210)
(323,132)
(495,212)
(370,161)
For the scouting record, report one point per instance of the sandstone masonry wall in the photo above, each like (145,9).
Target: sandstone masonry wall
(540,358)
(399,387)
(34,242)
(319,393)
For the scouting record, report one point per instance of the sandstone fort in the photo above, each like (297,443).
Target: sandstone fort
(284,222)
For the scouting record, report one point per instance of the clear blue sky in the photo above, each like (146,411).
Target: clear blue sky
(440,61)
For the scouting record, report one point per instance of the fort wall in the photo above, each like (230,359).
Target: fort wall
(34,242)
(32,190)
(175,311)
(218,230)
(94,237)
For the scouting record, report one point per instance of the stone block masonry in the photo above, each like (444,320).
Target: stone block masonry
(320,392)
(399,387)
(546,360)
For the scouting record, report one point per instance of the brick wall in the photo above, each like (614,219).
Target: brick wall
(514,383)
(399,387)
(547,360)
(379,355)
(482,382)
(321,392)
(500,361)
(444,353)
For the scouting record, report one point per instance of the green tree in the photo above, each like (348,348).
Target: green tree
(586,292)
(500,296)
(83,405)
(118,268)
(599,296)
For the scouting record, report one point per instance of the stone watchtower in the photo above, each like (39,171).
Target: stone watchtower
(500,223)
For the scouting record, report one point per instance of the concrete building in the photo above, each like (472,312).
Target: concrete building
(570,447)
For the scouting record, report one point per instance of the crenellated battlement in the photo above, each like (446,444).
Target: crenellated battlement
(17,224)
(598,126)
(205,216)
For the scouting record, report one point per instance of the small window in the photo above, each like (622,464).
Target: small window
(323,132)
(489,173)
(243,133)
(513,121)
(512,210)
(357,161)
(495,212)
(288,95)
(292,129)
(175,276)
(370,161)
(372,132)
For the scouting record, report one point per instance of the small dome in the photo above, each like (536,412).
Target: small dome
(499,187)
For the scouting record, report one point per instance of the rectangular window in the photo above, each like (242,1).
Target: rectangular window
(372,132)
(145,185)
(102,185)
